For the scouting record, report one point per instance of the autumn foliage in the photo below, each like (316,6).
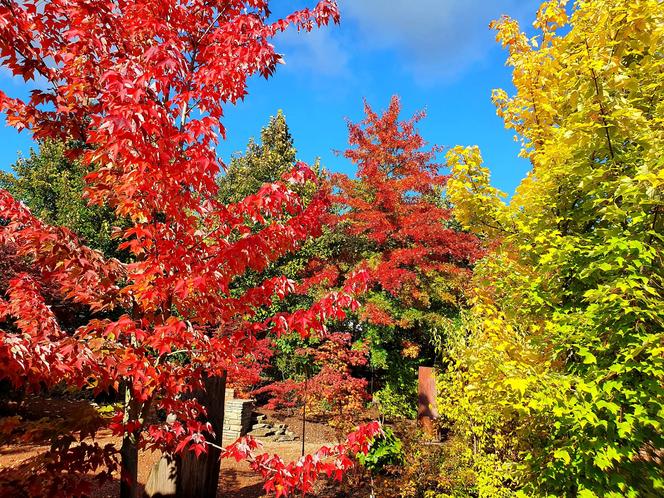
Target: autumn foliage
(401,232)
(396,203)
(544,309)
(331,388)
(137,89)
(558,375)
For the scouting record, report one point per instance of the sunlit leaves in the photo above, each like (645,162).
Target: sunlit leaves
(137,90)
(561,376)
(417,259)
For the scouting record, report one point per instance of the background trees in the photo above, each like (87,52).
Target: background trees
(264,161)
(52,186)
(295,359)
(399,228)
(553,353)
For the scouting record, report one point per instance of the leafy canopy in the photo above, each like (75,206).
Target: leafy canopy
(143,85)
(263,162)
(52,186)
(400,229)
(559,380)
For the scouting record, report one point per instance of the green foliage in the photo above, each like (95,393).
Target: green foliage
(261,163)
(558,379)
(397,398)
(386,449)
(439,470)
(289,364)
(52,187)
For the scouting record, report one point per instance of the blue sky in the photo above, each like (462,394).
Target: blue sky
(437,55)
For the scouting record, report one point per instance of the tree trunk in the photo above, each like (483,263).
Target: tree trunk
(129,467)
(199,477)
(129,451)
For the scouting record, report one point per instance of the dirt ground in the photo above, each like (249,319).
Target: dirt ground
(237,479)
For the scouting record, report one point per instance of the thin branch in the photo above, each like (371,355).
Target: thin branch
(601,107)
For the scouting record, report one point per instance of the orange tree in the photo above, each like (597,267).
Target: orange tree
(137,89)
(400,230)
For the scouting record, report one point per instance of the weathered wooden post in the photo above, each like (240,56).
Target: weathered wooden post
(199,477)
(175,476)
(162,481)
(186,476)
(427,407)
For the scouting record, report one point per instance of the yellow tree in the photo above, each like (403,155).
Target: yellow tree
(558,380)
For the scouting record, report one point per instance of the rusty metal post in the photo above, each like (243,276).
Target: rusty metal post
(427,408)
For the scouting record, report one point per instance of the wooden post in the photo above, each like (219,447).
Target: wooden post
(199,477)
(129,448)
(427,408)
(129,466)
(162,481)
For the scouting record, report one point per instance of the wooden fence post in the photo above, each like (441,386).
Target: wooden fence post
(199,477)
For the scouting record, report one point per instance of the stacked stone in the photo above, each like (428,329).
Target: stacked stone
(237,416)
(262,429)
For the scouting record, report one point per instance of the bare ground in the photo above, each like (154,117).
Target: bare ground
(237,479)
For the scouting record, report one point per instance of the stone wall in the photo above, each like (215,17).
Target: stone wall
(237,416)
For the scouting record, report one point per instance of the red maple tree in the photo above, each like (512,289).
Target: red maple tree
(331,388)
(336,391)
(396,203)
(401,228)
(137,88)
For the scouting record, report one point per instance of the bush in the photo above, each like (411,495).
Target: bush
(385,450)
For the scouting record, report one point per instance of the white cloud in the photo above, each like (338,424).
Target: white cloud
(433,38)
(320,51)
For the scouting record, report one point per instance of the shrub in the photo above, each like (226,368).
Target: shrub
(387,449)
